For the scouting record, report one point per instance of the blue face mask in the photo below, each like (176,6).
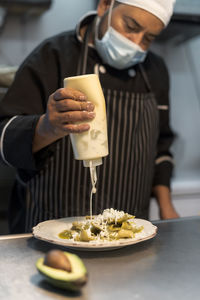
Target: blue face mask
(117,51)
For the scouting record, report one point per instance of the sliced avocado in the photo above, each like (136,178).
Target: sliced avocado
(73,279)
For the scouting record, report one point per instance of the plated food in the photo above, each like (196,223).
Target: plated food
(111,225)
(127,231)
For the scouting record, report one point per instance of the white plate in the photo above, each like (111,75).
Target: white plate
(49,230)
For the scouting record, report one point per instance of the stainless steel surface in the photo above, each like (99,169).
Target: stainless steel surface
(166,267)
(15,236)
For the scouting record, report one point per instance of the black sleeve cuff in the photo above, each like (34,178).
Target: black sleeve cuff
(163,174)
(17,142)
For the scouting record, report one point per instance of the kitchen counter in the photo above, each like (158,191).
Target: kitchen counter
(165,267)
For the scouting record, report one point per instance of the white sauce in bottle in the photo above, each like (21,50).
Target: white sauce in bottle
(92,145)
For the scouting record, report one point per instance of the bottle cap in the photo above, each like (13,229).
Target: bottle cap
(92,162)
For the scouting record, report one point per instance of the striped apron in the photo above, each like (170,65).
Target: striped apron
(62,188)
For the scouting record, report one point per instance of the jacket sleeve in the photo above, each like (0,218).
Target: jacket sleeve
(164,159)
(23,105)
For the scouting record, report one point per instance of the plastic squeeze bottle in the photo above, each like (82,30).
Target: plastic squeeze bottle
(92,145)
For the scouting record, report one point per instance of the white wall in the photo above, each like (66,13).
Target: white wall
(184,66)
(184,63)
(21,35)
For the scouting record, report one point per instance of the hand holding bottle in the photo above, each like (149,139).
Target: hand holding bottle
(66,108)
(92,144)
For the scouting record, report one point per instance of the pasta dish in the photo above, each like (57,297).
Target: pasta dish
(111,225)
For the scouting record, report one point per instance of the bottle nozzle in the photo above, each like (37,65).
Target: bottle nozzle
(92,162)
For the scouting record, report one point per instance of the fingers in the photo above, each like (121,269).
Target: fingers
(72,105)
(75,116)
(69,93)
(66,109)
(70,128)
(65,129)
(68,99)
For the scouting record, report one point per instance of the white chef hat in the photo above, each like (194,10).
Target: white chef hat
(162,9)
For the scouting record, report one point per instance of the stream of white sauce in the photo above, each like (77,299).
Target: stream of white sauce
(93,176)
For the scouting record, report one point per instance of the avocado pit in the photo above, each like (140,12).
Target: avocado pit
(58,260)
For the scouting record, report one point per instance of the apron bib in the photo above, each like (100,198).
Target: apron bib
(62,188)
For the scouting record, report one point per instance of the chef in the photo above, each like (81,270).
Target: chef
(37,115)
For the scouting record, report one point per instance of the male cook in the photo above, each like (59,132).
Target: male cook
(37,115)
